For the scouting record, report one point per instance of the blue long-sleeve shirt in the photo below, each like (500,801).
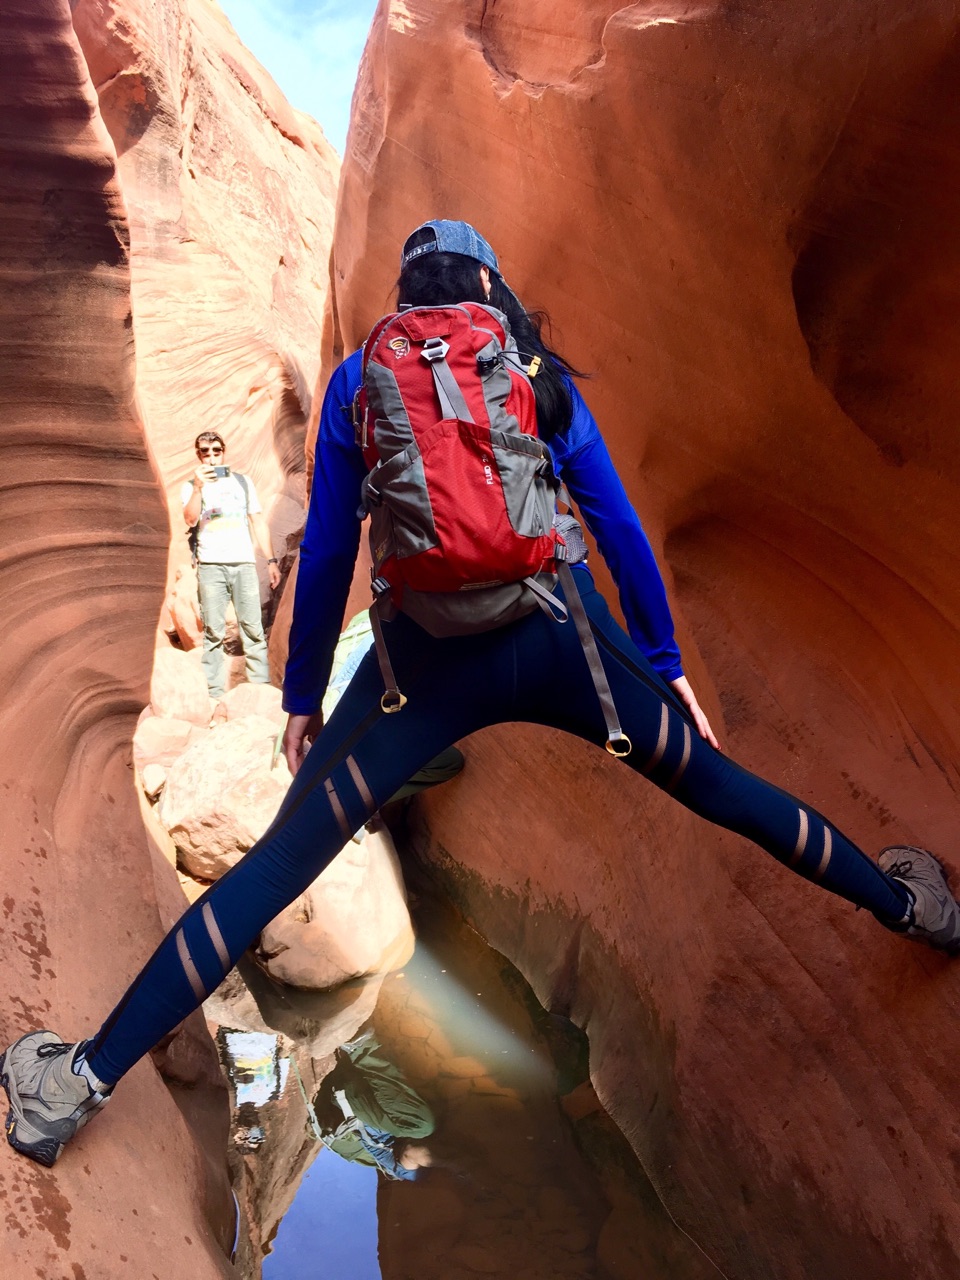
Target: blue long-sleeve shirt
(329,548)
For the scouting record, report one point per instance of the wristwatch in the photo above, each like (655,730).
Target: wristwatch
(273,560)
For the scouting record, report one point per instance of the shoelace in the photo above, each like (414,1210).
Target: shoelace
(53,1050)
(901,868)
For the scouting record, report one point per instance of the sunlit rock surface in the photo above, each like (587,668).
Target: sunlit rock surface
(351,922)
(230,194)
(222,794)
(743,221)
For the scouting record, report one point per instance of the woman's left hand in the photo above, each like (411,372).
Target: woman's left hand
(681,687)
(297,737)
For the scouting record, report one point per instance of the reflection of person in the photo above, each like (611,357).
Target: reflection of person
(224,509)
(529,670)
(249,1134)
(378,1114)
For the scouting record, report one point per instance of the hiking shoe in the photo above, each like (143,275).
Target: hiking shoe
(936,915)
(49,1102)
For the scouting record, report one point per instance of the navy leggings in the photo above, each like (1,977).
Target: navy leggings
(533,670)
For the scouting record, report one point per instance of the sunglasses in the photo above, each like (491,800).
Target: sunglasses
(205,453)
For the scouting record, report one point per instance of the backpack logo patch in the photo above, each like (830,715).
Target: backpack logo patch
(400,347)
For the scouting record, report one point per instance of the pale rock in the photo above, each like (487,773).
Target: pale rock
(351,921)
(223,793)
(152,779)
(159,740)
(178,689)
(252,700)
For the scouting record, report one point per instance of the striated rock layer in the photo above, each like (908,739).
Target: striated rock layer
(743,221)
(82,556)
(164,249)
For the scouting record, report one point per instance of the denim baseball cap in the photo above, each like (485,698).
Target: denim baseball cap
(450,237)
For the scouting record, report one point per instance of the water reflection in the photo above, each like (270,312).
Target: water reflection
(259,1075)
(368,1113)
(437,1120)
(330,1230)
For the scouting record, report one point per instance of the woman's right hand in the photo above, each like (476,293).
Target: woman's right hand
(681,687)
(298,737)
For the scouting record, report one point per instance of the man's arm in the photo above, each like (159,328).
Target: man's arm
(192,507)
(264,544)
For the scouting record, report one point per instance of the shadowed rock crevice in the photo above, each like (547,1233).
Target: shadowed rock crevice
(878,261)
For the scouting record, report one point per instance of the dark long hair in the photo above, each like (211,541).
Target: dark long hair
(444,279)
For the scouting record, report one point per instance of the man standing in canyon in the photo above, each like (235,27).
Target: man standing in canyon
(223,512)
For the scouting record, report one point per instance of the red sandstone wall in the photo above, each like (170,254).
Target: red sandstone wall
(165,222)
(84,543)
(743,220)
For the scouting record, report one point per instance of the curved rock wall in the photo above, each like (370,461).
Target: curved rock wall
(743,222)
(81,573)
(164,250)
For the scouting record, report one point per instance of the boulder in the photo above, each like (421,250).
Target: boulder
(352,920)
(158,740)
(252,700)
(223,793)
(178,690)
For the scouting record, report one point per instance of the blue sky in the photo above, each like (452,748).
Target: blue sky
(331,1227)
(311,48)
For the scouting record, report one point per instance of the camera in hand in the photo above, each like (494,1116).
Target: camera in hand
(221,472)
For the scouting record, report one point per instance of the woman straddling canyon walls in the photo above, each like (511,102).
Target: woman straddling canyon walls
(529,669)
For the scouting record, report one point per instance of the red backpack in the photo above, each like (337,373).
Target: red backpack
(461,493)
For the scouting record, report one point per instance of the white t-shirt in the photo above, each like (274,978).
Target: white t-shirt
(224,530)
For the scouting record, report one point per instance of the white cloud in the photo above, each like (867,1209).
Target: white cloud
(311,48)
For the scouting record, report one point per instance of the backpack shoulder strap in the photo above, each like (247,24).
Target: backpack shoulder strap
(246,489)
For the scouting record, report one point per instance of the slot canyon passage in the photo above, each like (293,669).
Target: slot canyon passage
(743,222)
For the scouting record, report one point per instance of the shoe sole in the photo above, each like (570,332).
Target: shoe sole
(45,1149)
